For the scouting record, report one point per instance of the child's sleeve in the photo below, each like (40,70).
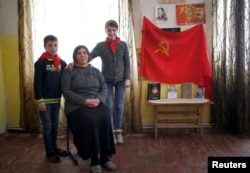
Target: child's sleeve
(38,82)
(94,53)
(126,63)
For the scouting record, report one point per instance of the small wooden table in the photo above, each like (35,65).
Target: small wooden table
(180,118)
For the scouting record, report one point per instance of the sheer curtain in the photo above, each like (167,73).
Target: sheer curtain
(132,119)
(231,65)
(73,22)
(29,118)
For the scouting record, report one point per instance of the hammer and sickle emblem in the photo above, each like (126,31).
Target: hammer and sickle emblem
(163,47)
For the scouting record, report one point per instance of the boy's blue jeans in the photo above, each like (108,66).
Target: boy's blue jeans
(50,119)
(116,99)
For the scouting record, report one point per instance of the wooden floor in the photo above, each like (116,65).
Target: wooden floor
(173,152)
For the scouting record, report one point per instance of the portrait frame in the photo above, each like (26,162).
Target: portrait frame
(161,14)
(187,14)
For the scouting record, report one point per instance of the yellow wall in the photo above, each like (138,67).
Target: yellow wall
(2,98)
(147,112)
(11,82)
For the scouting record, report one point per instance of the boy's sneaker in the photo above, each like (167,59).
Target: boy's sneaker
(61,152)
(52,157)
(119,136)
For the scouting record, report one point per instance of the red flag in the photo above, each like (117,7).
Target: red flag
(175,57)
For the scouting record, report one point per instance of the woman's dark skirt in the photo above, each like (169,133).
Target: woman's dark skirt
(92,131)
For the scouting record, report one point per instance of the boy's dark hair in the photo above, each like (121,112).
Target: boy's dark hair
(111,23)
(76,49)
(49,38)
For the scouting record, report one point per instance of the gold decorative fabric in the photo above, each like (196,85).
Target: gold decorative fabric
(29,118)
(132,119)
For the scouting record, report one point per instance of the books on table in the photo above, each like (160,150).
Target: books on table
(154,91)
(172,92)
(200,93)
(187,90)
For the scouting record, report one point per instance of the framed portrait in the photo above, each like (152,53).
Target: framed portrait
(190,14)
(161,15)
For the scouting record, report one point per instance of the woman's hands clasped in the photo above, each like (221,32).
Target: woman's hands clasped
(92,102)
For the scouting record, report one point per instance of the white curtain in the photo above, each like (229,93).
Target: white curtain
(132,118)
(73,22)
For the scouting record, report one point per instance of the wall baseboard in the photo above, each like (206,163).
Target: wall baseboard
(14,127)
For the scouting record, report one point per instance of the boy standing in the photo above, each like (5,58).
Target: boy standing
(116,71)
(47,90)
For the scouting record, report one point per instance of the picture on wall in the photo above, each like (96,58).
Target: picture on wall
(161,14)
(190,14)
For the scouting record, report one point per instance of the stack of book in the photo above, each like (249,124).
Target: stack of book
(200,92)
(172,92)
(187,90)
(154,91)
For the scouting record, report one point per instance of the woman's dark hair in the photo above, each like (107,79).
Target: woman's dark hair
(111,23)
(78,48)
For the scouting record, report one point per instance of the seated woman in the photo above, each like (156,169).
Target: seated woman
(85,93)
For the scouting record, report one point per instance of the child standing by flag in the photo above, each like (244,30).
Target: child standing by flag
(116,71)
(47,90)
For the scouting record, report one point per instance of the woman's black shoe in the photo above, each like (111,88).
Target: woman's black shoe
(52,157)
(61,152)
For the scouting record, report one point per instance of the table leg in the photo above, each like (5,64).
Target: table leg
(156,120)
(200,114)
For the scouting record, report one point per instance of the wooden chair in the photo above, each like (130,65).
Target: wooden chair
(73,156)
